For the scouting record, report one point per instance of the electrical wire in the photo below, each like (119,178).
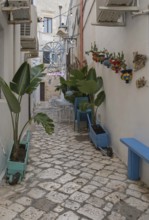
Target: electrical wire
(67,11)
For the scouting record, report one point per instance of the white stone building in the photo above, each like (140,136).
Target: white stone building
(125,110)
(15,48)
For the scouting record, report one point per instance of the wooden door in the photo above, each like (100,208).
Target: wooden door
(42,91)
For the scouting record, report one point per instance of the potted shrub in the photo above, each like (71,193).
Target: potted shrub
(69,86)
(25,81)
(93,88)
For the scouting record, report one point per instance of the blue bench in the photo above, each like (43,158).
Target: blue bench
(136,151)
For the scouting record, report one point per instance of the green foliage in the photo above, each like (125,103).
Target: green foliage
(92,86)
(12,101)
(25,81)
(45,121)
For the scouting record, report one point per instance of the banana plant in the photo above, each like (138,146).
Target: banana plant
(25,81)
(92,87)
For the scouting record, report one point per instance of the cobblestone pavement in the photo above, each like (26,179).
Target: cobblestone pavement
(68,179)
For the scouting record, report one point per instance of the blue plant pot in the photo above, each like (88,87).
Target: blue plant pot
(101,140)
(16,167)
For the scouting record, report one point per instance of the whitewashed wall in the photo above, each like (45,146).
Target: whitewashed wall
(125,111)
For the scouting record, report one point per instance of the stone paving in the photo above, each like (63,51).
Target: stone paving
(68,179)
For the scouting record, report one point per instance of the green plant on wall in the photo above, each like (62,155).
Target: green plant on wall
(25,81)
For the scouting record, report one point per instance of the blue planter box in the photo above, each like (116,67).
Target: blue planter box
(14,167)
(101,140)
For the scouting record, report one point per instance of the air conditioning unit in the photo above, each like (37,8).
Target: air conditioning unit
(18,11)
(19,3)
(28,32)
(112,12)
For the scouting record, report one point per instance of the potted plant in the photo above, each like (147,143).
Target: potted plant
(25,81)
(69,86)
(93,88)
(118,62)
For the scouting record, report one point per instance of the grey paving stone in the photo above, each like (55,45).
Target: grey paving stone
(100,179)
(144,217)
(92,212)
(16,207)
(44,205)
(88,189)
(134,193)
(86,175)
(81,181)
(79,196)
(56,197)
(58,209)
(49,186)
(116,216)
(26,201)
(96,166)
(50,173)
(115,197)
(68,215)
(31,213)
(36,193)
(100,193)
(6,214)
(73,171)
(124,209)
(137,203)
(65,178)
(116,185)
(95,201)
(50,216)
(70,188)
(71,204)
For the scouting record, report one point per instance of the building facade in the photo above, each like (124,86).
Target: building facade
(125,110)
(12,53)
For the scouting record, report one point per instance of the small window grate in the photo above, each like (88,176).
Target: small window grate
(25,29)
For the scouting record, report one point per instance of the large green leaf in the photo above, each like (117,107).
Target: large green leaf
(100,98)
(33,85)
(45,121)
(91,74)
(35,79)
(77,74)
(21,79)
(12,101)
(87,86)
(37,71)
(84,69)
(99,82)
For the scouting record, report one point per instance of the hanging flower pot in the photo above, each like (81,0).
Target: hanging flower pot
(115,65)
(126,75)
(107,63)
(95,56)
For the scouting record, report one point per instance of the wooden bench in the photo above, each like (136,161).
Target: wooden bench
(136,151)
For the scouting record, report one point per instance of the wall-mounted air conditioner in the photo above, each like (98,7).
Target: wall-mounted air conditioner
(112,12)
(18,11)
(19,3)
(28,32)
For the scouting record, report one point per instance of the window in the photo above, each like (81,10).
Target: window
(48,25)
(46,57)
(49,57)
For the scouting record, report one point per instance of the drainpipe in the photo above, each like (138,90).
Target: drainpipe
(60,15)
(81,32)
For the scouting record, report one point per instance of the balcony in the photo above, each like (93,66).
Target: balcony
(18,11)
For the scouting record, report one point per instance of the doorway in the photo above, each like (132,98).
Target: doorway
(42,91)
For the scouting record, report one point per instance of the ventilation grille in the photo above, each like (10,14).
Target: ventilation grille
(25,29)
